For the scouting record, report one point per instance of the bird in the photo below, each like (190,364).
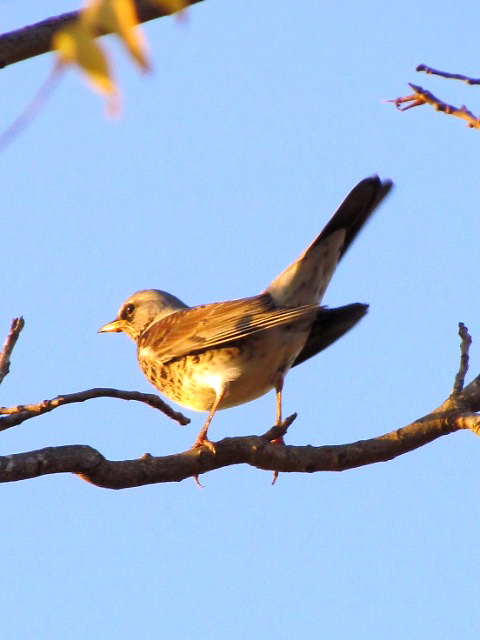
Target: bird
(219,355)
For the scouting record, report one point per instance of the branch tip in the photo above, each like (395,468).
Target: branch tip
(10,341)
(465,342)
(446,74)
(279,430)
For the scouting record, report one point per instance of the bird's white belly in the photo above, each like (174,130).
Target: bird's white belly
(248,371)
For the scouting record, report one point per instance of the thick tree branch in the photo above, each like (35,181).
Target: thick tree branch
(35,39)
(256,451)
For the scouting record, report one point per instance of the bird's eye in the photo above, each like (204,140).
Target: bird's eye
(128,310)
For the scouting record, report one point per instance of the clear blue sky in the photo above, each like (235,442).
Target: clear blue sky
(227,162)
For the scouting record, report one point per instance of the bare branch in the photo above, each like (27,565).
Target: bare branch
(35,39)
(10,342)
(446,74)
(256,451)
(470,396)
(20,413)
(466,341)
(422,96)
(279,430)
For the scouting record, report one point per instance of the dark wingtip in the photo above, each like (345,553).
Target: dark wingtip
(329,326)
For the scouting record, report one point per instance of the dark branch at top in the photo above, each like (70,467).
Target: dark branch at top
(35,39)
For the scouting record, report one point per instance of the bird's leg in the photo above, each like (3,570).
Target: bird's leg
(278,397)
(278,384)
(202,438)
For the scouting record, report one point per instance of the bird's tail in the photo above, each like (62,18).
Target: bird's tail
(306,279)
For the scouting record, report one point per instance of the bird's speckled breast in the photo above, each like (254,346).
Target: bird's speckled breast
(249,366)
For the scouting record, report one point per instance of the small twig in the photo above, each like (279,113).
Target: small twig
(466,341)
(422,96)
(15,328)
(445,74)
(20,413)
(278,431)
(413,99)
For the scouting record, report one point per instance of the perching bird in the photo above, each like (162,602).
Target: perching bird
(219,355)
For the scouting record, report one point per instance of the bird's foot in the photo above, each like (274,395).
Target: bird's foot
(204,442)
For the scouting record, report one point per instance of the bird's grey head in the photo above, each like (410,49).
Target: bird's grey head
(141,310)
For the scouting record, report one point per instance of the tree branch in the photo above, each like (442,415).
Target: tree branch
(256,451)
(445,74)
(8,346)
(18,414)
(465,343)
(35,39)
(422,96)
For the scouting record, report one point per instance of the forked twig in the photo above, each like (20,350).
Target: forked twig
(422,96)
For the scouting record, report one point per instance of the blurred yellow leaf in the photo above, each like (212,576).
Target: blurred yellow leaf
(119,17)
(76,44)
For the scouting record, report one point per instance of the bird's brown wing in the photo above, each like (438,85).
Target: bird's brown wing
(212,325)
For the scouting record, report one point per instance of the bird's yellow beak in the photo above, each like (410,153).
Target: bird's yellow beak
(112,327)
